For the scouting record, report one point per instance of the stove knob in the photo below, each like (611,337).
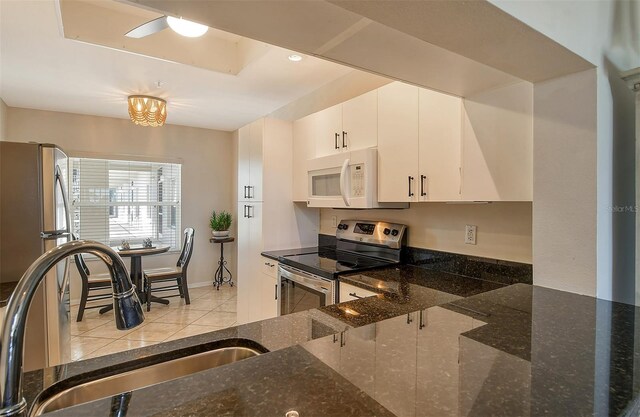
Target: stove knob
(394,232)
(342,226)
(386,231)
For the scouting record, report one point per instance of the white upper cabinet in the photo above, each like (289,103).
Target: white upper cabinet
(347,126)
(440,147)
(398,143)
(497,145)
(244,161)
(304,142)
(359,129)
(255,171)
(250,161)
(329,131)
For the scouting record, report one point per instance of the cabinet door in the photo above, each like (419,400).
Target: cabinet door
(395,364)
(497,162)
(328,125)
(304,142)
(254,258)
(243,274)
(359,127)
(255,172)
(351,292)
(244,161)
(438,370)
(397,143)
(440,146)
(357,357)
(268,300)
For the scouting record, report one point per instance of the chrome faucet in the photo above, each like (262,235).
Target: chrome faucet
(126,306)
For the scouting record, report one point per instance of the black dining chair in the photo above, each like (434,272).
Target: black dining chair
(92,283)
(177,273)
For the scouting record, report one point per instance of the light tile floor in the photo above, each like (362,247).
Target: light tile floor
(210,310)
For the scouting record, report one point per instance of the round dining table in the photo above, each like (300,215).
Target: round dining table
(136,271)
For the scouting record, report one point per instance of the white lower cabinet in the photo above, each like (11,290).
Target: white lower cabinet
(249,240)
(437,366)
(350,292)
(395,364)
(351,353)
(268,289)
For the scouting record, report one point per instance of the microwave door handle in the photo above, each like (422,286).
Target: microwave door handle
(343,182)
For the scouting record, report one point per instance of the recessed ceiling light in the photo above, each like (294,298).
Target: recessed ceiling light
(186,27)
(295,58)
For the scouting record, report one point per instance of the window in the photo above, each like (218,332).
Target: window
(115,200)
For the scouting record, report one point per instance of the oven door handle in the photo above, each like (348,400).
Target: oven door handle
(343,182)
(306,279)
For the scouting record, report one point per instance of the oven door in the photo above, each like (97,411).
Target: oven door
(301,291)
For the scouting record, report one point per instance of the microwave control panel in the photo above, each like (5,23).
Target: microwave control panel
(357,180)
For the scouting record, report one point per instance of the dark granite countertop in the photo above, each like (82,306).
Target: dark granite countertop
(431,344)
(275,254)
(403,289)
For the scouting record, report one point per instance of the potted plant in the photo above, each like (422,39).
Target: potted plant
(220,223)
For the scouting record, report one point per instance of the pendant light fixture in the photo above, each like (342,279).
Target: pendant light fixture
(147,110)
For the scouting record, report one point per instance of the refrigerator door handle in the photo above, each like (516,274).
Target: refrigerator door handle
(63,191)
(54,234)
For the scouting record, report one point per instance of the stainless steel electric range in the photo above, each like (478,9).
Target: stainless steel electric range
(310,280)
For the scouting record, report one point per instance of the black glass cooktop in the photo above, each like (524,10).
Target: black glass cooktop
(331,263)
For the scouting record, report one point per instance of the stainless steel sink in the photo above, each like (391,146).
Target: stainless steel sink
(149,375)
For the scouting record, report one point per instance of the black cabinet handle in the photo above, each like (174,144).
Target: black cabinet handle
(409,319)
(343,339)
(276,291)
(353,294)
(245,192)
(244,211)
(344,137)
(249,212)
(336,141)
(410,179)
(422,178)
(422,325)
(249,193)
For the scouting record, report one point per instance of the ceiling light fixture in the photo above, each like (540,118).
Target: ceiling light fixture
(186,28)
(147,110)
(295,58)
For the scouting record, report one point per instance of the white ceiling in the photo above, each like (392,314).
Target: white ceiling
(40,69)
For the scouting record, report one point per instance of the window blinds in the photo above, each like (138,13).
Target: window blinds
(114,200)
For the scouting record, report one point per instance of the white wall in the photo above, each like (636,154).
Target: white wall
(3,118)
(586,28)
(207,161)
(504,229)
(564,184)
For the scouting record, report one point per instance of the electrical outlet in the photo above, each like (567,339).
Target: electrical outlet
(470,234)
(334,221)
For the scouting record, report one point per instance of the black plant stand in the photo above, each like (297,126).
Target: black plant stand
(222,274)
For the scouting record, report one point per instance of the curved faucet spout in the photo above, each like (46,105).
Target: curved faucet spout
(126,306)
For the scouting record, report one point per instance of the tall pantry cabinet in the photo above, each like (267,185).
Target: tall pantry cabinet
(267,218)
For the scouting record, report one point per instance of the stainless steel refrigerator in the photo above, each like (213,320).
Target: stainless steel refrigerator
(35,217)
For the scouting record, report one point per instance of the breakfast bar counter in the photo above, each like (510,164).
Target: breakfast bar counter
(502,350)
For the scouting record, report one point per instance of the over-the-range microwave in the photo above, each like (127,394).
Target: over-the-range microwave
(346,180)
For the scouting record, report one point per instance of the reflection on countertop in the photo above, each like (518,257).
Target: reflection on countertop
(430,344)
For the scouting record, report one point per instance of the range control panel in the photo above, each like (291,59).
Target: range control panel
(372,232)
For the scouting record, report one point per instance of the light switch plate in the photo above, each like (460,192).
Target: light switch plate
(334,221)
(470,234)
